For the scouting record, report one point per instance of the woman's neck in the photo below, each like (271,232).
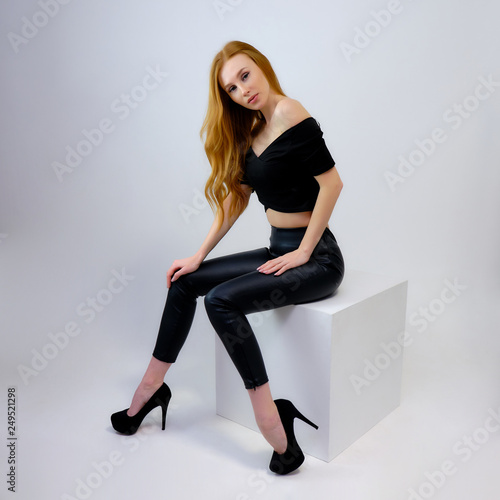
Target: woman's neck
(270,106)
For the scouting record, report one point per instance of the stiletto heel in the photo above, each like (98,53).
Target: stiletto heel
(293,457)
(163,416)
(304,419)
(124,424)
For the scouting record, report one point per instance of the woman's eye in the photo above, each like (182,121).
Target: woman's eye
(244,76)
(231,88)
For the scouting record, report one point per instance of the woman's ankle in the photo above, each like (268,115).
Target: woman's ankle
(273,431)
(155,373)
(150,384)
(267,417)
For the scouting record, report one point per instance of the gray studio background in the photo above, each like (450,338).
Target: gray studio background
(409,104)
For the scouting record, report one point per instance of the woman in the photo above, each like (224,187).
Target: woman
(256,139)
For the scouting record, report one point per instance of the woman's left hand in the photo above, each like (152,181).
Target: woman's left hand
(287,261)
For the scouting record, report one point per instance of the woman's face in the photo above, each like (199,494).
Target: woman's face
(244,82)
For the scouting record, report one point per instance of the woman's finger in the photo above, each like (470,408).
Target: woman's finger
(170,275)
(272,266)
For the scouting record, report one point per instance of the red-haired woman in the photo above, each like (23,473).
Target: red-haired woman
(256,139)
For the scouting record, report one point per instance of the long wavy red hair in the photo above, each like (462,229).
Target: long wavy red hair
(228,129)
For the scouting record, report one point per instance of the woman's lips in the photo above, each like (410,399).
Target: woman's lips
(252,99)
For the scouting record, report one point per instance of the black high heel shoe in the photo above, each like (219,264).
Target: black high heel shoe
(124,424)
(293,457)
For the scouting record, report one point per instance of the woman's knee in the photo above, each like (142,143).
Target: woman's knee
(186,286)
(214,302)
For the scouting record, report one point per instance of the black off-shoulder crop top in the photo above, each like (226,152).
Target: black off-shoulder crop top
(283,175)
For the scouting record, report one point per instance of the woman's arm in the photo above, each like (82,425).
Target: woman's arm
(330,186)
(216,233)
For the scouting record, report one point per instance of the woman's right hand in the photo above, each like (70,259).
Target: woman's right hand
(182,266)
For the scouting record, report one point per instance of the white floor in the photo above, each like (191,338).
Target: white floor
(68,450)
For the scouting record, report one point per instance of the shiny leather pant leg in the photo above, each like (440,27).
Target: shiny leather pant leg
(182,297)
(233,288)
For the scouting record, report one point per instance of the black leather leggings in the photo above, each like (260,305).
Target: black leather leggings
(233,288)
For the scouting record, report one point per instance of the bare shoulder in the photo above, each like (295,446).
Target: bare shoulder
(290,112)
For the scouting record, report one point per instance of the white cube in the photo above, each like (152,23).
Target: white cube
(339,360)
